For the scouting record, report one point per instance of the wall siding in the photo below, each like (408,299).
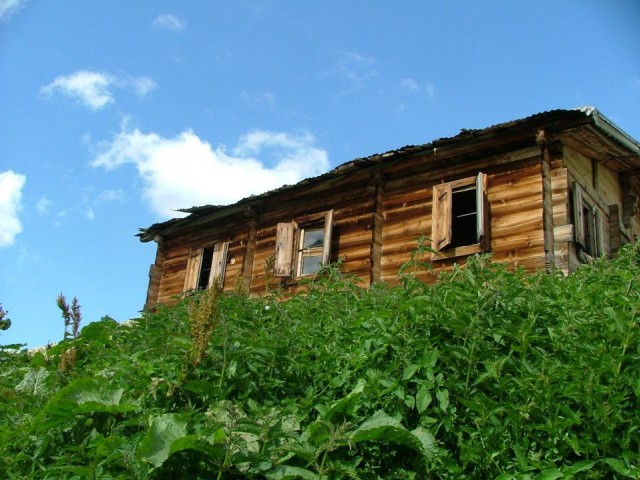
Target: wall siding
(380,212)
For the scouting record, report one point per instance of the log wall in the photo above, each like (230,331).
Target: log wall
(380,211)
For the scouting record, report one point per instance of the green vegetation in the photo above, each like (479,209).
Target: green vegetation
(488,373)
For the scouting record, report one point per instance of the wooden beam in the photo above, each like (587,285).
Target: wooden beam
(547,201)
(376,230)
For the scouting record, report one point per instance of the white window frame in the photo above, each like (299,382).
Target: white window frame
(290,253)
(443,221)
(195,267)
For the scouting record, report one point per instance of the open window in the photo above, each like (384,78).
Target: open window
(588,225)
(303,246)
(460,217)
(206,267)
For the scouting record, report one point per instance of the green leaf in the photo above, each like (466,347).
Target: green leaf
(619,466)
(579,467)
(381,427)
(347,405)
(33,382)
(409,371)
(286,472)
(550,474)
(85,395)
(423,399)
(443,399)
(166,436)
(505,476)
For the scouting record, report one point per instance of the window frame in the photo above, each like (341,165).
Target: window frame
(290,253)
(217,269)
(443,221)
(587,219)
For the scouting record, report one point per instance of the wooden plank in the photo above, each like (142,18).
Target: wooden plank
(564,233)
(284,249)
(441,216)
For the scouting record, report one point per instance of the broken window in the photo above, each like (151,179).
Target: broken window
(303,246)
(206,267)
(460,216)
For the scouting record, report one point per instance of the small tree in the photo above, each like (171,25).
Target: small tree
(5,323)
(71,315)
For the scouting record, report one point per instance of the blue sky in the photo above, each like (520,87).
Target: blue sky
(115,113)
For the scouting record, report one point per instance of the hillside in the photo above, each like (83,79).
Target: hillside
(487,373)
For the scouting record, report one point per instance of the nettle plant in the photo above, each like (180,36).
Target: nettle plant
(489,372)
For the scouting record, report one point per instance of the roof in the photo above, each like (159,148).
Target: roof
(562,119)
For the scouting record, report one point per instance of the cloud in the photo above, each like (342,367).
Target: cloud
(416,87)
(94,89)
(258,99)
(91,88)
(43,206)
(185,171)
(410,84)
(357,68)
(108,196)
(9,7)
(142,85)
(169,22)
(11,184)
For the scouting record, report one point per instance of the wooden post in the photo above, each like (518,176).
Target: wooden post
(376,230)
(247,261)
(155,276)
(547,201)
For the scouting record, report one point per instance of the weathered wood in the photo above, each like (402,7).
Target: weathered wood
(441,216)
(547,200)
(376,230)
(284,249)
(381,206)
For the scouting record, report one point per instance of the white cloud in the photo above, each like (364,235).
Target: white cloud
(169,22)
(410,84)
(143,85)
(11,184)
(91,88)
(107,196)
(416,87)
(357,68)
(43,206)
(187,171)
(258,99)
(94,89)
(9,7)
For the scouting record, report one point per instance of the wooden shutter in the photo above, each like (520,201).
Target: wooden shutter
(218,264)
(483,221)
(326,245)
(578,215)
(601,241)
(285,235)
(441,216)
(615,233)
(193,270)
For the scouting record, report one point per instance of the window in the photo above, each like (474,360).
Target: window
(460,217)
(303,246)
(206,267)
(588,225)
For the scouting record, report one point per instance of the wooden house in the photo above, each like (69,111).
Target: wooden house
(550,191)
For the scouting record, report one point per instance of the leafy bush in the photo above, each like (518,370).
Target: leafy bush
(487,373)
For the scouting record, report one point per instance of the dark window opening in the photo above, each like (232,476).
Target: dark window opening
(464,213)
(205,268)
